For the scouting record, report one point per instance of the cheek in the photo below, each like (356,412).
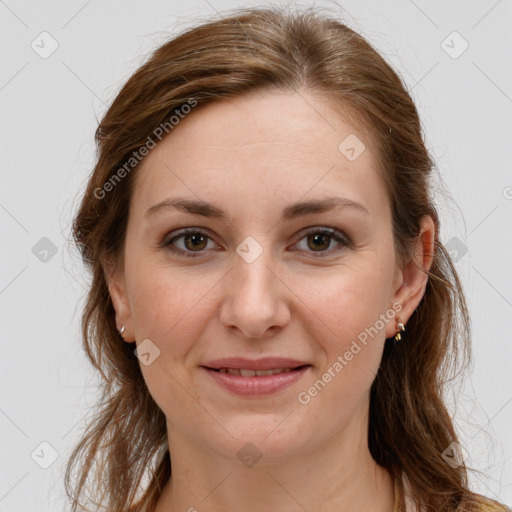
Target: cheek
(344,313)
(344,318)
(167,308)
(166,305)
(348,299)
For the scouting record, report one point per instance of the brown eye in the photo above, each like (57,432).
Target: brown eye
(323,241)
(195,241)
(318,241)
(190,241)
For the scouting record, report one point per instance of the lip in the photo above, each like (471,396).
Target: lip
(256,386)
(265,363)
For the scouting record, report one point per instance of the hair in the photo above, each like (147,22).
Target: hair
(125,443)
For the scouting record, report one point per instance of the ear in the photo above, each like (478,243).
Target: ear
(412,278)
(117,289)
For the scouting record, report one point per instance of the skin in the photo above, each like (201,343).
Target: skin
(252,156)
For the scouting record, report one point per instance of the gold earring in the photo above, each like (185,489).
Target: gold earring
(401,327)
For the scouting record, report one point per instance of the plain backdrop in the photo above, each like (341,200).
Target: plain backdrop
(62,63)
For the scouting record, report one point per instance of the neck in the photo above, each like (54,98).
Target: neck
(339,475)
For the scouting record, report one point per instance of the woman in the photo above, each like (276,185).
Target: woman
(272,310)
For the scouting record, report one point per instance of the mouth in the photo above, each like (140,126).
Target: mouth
(250,382)
(246,372)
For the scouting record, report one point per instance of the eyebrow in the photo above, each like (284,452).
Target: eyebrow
(299,209)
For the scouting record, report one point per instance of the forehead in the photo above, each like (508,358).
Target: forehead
(272,145)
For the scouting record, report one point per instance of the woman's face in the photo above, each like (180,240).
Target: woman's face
(257,278)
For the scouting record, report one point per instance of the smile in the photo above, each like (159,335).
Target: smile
(254,373)
(256,383)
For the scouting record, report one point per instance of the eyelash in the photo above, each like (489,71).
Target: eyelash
(334,234)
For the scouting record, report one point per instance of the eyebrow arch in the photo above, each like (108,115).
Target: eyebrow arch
(292,211)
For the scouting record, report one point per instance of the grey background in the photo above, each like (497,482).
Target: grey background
(49,111)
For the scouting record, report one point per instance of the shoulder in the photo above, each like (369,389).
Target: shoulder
(490,505)
(479,503)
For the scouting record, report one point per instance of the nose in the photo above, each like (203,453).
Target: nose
(255,299)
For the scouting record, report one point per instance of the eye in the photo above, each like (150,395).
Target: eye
(318,240)
(194,241)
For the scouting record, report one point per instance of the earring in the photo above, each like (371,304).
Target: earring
(401,327)
(121,330)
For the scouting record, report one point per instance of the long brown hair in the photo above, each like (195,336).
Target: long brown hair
(123,459)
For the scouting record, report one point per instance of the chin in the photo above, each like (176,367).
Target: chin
(266,438)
